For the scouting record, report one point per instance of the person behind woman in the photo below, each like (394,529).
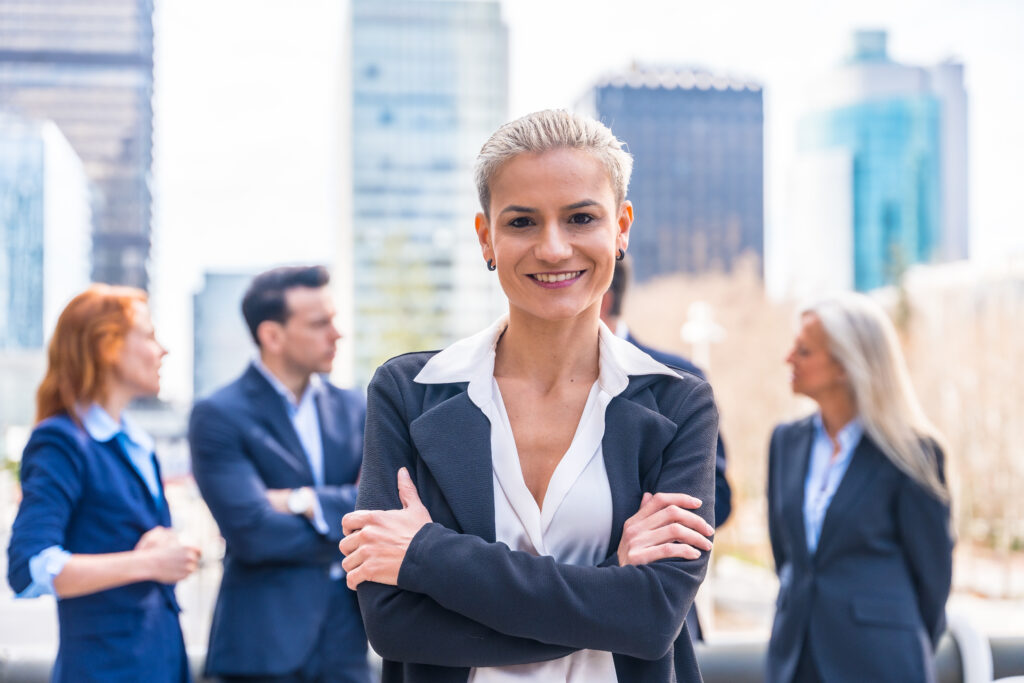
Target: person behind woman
(93,525)
(858,509)
(545,537)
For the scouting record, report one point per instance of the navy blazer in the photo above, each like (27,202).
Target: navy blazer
(87,497)
(464,600)
(723,492)
(870,602)
(276,587)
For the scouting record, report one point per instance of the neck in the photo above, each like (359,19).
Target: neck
(549,351)
(115,402)
(836,412)
(295,381)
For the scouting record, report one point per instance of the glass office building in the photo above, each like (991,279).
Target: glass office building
(44,230)
(887,143)
(697,141)
(87,65)
(429,85)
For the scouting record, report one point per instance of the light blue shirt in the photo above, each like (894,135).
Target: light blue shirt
(825,473)
(138,445)
(305,418)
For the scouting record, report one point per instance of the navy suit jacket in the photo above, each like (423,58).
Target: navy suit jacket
(86,497)
(723,492)
(464,600)
(276,587)
(870,602)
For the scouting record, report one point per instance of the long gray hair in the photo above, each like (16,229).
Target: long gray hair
(863,341)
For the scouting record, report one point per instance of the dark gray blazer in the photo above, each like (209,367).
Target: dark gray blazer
(464,600)
(870,602)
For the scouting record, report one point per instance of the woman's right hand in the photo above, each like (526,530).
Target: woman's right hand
(664,527)
(170,561)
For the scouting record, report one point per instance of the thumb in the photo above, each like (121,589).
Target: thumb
(407,490)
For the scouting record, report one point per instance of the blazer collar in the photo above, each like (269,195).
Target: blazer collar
(800,441)
(268,408)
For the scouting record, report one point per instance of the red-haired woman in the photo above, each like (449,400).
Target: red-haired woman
(93,527)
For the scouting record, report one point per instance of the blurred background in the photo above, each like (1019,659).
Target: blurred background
(781,149)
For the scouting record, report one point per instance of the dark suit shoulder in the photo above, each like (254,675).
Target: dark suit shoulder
(407,365)
(665,358)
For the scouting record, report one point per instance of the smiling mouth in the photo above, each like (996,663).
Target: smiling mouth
(556,277)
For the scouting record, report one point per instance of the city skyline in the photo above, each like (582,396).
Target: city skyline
(280,74)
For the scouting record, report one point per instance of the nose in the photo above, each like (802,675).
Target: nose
(553,243)
(335,335)
(790,356)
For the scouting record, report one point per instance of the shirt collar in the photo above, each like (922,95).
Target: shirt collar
(314,388)
(100,426)
(472,359)
(848,436)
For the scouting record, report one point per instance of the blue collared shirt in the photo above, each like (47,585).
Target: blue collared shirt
(305,418)
(138,445)
(825,473)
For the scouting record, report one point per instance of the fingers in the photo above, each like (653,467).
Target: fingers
(407,490)
(355,521)
(674,533)
(661,552)
(675,515)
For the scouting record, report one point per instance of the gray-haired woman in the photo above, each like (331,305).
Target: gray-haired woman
(858,509)
(546,536)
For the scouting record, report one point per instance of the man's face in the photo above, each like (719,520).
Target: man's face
(308,339)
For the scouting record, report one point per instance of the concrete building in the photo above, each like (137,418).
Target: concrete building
(697,141)
(87,65)
(222,345)
(429,85)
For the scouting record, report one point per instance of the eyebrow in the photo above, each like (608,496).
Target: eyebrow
(515,208)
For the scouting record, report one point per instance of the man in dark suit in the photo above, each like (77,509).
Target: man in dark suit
(276,455)
(611,314)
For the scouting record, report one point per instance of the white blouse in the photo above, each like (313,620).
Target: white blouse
(574,523)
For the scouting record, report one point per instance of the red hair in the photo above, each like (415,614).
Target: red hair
(85,346)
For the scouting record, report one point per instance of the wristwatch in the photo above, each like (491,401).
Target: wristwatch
(300,501)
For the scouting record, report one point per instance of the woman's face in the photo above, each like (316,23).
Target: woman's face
(553,232)
(137,370)
(815,371)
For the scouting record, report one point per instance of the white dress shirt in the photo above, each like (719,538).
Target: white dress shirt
(574,523)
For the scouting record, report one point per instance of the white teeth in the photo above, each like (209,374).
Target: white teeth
(546,277)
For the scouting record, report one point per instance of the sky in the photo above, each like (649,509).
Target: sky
(249,119)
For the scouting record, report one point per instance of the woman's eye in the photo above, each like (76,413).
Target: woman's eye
(581,218)
(521,222)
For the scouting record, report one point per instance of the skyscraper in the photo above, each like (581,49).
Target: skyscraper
(697,141)
(88,66)
(881,172)
(429,85)
(222,345)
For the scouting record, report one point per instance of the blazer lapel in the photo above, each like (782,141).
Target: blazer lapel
(634,436)
(122,455)
(270,411)
(799,446)
(454,440)
(862,469)
(332,419)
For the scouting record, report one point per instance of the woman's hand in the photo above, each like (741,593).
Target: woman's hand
(376,540)
(664,527)
(169,559)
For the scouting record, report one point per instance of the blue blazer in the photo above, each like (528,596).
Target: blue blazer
(870,602)
(464,600)
(723,492)
(276,586)
(87,497)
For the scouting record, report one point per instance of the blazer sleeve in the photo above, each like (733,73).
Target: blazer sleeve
(237,497)
(403,625)
(723,492)
(51,485)
(635,611)
(927,542)
(774,522)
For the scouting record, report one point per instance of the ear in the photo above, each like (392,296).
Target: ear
(625,221)
(483,235)
(269,332)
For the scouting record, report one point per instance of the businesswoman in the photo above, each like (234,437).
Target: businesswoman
(858,509)
(539,529)
(93,526)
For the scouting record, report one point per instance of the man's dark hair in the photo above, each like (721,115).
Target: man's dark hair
(620,283)
(264,300)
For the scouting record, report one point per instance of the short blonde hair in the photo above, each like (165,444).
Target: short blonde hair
(552,129)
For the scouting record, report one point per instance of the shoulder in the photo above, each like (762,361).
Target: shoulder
(61,437)
(231,403)
(400,371)
(350,398)
(675,397)
(672,360)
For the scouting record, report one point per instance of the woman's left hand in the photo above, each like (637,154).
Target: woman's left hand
(376,540)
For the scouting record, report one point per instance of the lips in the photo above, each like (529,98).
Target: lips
(557,279)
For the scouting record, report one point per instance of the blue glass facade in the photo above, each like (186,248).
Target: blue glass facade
(698,175)
(429,85)
(895,146)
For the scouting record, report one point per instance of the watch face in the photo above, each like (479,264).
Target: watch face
(298,501)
